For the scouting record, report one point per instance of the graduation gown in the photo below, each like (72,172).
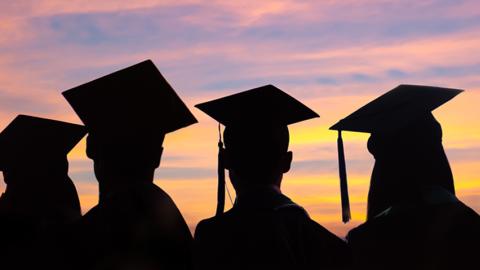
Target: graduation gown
(265,229)
(434,230)
(19,237)
(139,228)
(32,237)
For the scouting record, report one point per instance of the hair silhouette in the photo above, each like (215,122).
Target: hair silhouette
(407,161)
(414,220)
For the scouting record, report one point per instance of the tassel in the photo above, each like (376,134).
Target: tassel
(221,177)
(346,216)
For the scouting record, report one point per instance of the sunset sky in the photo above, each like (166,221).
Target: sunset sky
(333,55)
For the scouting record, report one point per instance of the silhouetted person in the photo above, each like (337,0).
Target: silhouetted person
(40,200)
(414,219)
(135,225)
(265,228)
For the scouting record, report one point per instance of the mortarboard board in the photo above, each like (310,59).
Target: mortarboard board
(136,100)
(262,106)
(27,135)
(390,112)
(265,104)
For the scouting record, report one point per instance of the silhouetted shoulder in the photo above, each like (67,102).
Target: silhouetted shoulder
(142,205)
(323,248)
(147,215)
(451,214)
(447,230)
(288,213)
(152,193)
(208,227)
(284,238)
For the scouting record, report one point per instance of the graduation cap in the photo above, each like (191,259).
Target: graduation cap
(28,136)
(391,112)
(265,106)
(135,101)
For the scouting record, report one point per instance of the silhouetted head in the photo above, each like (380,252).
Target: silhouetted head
(125,160)
(127,114)
(407,161)
(30,179)
(41,188)
(257,157)
(24,170)
(38,143)
(256,134)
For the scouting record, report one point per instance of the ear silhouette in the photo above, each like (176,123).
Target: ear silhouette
(286,161)
(89,150)
(158,158)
